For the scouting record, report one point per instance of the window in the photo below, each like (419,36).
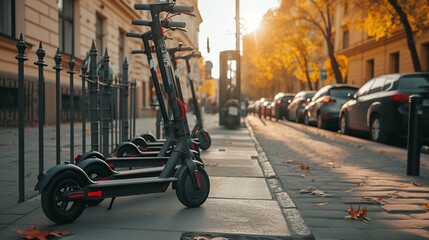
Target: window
(99,34)
(369,69)
(346,39)
(394,62)
(121,50)
(66,29)
(378,85)
(364,89)
(388,84)
(7,17)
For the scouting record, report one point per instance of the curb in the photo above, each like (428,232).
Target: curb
(297,227)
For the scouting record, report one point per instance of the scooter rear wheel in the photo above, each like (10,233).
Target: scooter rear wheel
(95,173)
(148,137)
(55,207)
(127,151)
(204,139)
(188,195)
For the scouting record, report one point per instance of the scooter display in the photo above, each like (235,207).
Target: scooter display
(65,188)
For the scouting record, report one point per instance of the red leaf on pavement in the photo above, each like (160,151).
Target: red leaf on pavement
(34,233)
(359,214)
(303,167)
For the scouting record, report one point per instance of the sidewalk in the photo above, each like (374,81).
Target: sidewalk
(244,202)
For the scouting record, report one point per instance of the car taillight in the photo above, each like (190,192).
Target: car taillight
(329,100)
(400,97)
(281,104)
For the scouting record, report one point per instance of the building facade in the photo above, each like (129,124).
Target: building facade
(71,26)
(369,58)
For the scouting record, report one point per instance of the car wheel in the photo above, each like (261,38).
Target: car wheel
(344,128)
(306,120)
(376,130)
(320,123)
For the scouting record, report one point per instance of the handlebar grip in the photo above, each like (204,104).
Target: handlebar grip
(186,49)
(138,51)
(141,6)
(133,34)
(170,24)
(140,22)
(182,9)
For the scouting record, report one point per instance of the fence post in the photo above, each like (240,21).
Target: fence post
(116,90)
(124,102)
(105,105)
(93,97)
(58,68)
(71,72)
(41,63)
(84,68)
(20,46)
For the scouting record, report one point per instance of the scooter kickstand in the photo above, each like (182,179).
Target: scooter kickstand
(111,203)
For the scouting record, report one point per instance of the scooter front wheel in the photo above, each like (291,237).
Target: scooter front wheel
(190,196)
(204,139)
(54,204)
(127,151)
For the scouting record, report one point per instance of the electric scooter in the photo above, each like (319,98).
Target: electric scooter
(198,130)
(66,187)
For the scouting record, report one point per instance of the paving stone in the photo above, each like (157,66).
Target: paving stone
(403,209)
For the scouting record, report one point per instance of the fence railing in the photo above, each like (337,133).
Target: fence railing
(102,99)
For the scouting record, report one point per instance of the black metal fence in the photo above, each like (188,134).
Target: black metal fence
(101,99)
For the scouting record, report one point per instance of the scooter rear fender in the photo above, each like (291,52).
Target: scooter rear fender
(91,154)
(95,161)
(45,177)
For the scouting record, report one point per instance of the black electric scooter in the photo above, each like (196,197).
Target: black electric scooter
(198,131)
(66,187)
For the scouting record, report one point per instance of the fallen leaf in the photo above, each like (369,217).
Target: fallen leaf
(34,233)
(320,204)
(426,206)
(306,190)
(303,167)
(291,161)
(374,200)
(321,193)
(416,184)
(359,214)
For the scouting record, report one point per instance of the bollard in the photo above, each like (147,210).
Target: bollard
(58,68)
(41,63)
(20,46)
(414,141)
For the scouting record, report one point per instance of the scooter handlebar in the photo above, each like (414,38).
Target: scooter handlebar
(140,22)
(141,6)
(182,9)
(138,52)
(170,24)
(133,34)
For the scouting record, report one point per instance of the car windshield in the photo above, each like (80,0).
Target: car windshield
(414,82)
(341,92)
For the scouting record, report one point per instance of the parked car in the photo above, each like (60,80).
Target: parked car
(380,106)
(280,104)
(295,109)
(325,105)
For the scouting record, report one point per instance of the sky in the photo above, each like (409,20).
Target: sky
(219,24)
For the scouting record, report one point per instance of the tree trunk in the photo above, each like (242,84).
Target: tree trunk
(307,76)
(334,63)
(409,33)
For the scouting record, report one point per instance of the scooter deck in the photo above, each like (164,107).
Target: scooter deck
(138,173)
(136,161)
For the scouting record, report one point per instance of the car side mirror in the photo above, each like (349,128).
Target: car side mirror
(289,101)
(351,95)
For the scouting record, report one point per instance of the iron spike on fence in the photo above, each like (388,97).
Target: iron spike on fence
(41,63)
(84,76)
(93,97)
(20,46)
(105,113)
(71,72)
(58,68)
(124,102)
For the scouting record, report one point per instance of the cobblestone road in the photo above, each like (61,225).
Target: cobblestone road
(347,170)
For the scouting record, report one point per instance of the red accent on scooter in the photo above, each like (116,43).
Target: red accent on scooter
(95,194)
(77,158)
(111,165)
(183,107)
(144,149)
(77,195)
(206,136)
(132,155)
(197,177)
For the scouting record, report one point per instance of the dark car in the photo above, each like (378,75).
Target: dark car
(296,107)
(380,106)
(280,104)
(325,105)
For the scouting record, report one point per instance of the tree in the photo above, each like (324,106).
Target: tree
(320,14)
(383,17)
